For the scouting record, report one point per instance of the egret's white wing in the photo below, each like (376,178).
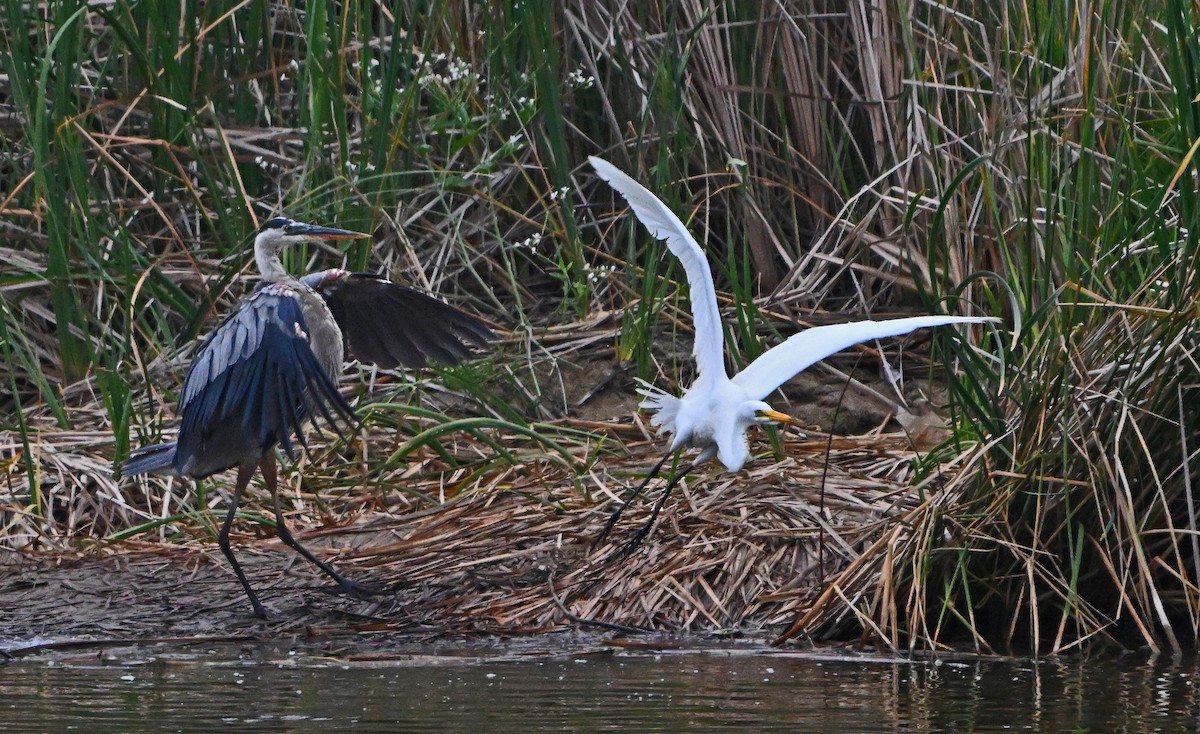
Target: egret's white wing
(780,363)
(664,225)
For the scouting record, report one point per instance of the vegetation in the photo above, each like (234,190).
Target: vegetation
(1030,160)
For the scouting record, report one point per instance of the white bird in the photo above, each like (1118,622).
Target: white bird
(715,413)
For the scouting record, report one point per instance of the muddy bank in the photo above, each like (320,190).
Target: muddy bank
(476,534)
(730,552)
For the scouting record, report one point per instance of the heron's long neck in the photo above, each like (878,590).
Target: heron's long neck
(269,266)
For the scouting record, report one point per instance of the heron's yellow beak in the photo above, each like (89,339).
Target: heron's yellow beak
(329,233)
(777,417)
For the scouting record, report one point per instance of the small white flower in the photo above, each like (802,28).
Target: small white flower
(580,80)
(597,273)
(458,69)
(529,243)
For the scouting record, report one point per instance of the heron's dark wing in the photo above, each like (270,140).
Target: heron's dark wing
(389,324)
(252,385)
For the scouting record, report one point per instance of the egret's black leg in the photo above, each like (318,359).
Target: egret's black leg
(644,530)
(612,520)
(270,473)
(243,478)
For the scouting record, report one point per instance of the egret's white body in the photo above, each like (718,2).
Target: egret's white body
(716,412)
(713,418)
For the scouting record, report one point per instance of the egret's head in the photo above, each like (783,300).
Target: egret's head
(730,437)
(756,411)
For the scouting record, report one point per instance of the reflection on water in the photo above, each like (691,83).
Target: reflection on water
(756,690)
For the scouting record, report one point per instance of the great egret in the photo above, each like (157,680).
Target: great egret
(715,413)
(273,364)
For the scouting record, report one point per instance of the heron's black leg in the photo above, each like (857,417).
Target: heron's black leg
(644,530)
(243,478)
(612,520)
(269,470)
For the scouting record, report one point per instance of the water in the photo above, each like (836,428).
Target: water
(599,689)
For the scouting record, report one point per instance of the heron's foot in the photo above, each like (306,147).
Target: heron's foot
(259,610)
(358,589)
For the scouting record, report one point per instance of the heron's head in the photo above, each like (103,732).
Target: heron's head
(280,232)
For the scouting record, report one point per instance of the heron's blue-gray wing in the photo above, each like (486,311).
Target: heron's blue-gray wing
(252,385)
(389,324)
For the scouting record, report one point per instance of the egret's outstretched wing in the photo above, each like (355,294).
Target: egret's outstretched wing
(780,363)
(389,324)
(253,384)
(664,225)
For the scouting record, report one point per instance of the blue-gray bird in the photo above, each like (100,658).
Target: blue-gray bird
(273,364)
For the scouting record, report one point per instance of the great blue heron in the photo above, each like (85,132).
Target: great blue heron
(715,413)
(273,363)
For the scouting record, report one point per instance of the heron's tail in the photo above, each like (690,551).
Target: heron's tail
(664,405)
(156,459)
